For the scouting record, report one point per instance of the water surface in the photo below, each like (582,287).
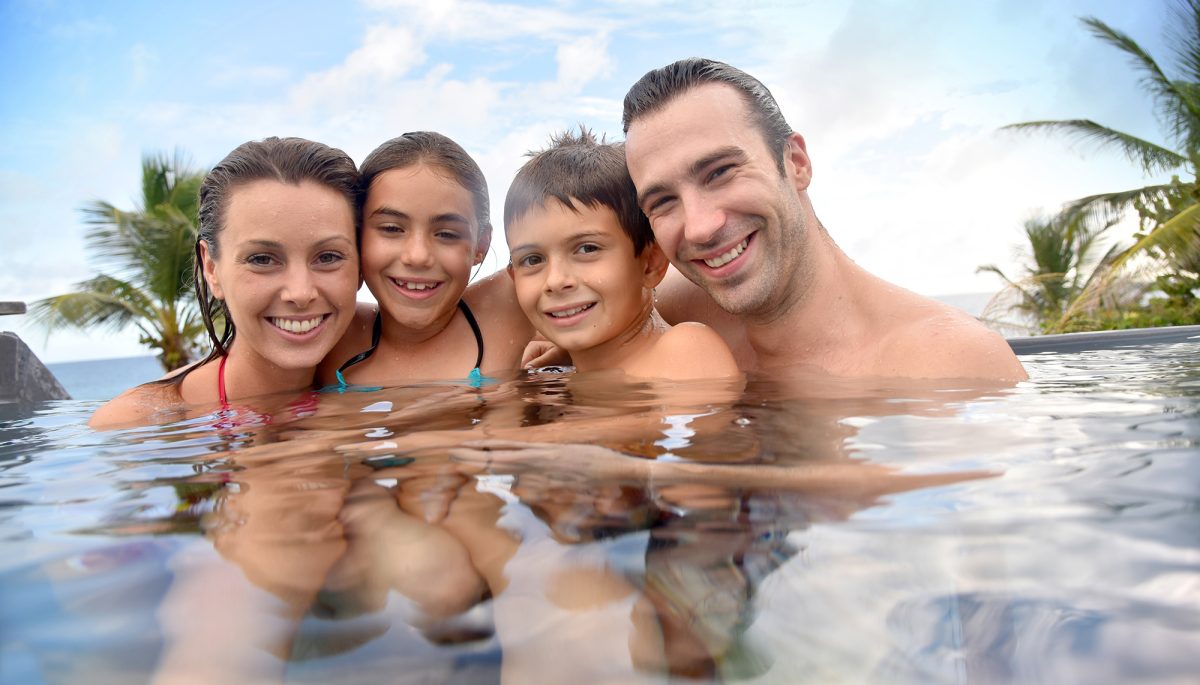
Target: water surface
(804,532)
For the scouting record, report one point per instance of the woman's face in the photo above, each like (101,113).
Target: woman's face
(420,240)
(287,269)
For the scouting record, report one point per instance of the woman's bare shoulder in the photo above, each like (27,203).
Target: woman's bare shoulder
(137,405)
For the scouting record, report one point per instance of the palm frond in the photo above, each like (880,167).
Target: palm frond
(1153,158)
(1175,106)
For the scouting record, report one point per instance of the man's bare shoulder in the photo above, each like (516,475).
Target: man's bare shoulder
(136,406)
(940,341)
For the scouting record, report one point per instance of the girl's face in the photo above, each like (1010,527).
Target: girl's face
(287,269)
(420,240)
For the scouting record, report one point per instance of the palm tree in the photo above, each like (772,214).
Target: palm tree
(1060,264)
(1169,213)
(149,255)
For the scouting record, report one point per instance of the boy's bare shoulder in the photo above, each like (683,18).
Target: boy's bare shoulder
(137,406)
(693,350)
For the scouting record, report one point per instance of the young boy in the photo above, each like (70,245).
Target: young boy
(584,264)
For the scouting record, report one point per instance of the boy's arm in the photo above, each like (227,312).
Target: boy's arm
(689,351)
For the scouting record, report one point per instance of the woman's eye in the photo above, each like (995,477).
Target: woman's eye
(330,258)
(259,260)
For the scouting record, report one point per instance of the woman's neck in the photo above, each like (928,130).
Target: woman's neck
(250,375)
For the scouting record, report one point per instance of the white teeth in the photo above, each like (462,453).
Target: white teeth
(293,326)
(724,259)
(409,285)
(569,312)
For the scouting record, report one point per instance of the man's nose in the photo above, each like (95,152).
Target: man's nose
(702,218)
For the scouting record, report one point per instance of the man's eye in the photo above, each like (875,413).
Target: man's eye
(719,172)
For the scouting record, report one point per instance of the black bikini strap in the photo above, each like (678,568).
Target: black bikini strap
(462,304)
(376,334)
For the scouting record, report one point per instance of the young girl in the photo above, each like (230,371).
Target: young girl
(277,255)
(426,225)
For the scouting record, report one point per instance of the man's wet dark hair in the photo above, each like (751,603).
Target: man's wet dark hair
(658,87)
(577,168)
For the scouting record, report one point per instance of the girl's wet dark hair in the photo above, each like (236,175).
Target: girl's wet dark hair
(577,168)
(436,150)
(287,160)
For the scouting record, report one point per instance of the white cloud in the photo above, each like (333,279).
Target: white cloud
(387,53)
(142,60)
(582,60)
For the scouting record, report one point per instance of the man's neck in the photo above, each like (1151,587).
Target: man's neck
(822,323)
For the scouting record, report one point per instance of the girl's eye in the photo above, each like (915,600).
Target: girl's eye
(389,228)
(529,260)
(449,235)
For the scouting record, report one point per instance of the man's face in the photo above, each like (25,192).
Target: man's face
(719,207)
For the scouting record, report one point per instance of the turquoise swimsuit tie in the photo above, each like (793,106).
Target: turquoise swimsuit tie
(475,378)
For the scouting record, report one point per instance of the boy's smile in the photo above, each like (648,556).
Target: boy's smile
(576,276)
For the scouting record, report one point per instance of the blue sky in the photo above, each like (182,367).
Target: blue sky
(899,103)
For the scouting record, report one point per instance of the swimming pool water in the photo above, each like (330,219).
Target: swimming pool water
(852,532)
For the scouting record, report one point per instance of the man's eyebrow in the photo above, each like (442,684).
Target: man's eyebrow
(697,167)
(727,152)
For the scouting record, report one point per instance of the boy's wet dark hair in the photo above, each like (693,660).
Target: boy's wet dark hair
(577,168)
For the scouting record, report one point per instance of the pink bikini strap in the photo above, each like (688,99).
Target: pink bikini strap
(221,383)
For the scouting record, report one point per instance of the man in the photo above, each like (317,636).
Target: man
(724,181)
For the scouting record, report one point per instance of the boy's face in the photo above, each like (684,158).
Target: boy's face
(576,276)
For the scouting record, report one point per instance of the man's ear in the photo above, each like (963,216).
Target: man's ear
(796,162)
(655,265)
(482,246)
(209,266)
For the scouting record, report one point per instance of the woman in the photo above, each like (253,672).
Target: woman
(277,256)
(425,218)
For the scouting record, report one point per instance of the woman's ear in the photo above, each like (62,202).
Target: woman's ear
(210,270)
(655,266)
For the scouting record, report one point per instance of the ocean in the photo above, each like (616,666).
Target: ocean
(104,379)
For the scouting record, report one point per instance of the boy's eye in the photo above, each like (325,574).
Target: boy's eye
(588,248)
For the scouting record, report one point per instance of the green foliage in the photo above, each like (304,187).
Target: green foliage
(145,256)
(1164,255)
